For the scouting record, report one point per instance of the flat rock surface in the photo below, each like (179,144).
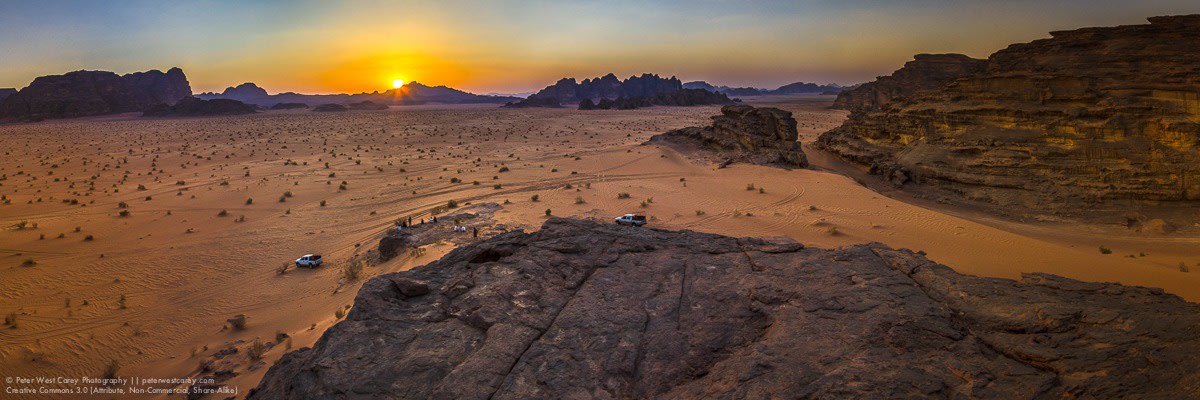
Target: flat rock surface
(586,310)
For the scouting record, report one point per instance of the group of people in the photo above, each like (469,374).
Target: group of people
(457,228)
(463,228)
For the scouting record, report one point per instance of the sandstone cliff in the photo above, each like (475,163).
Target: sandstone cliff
(84,93)
(744,133)
(1088,117)
(584,310)
(924,72)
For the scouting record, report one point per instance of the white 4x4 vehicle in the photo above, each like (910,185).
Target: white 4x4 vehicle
(630,219)
(309,260)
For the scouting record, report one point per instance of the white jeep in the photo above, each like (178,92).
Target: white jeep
(309,260)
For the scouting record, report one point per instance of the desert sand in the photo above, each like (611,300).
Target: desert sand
(215,206)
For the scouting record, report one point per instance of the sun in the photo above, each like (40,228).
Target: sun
(397,83)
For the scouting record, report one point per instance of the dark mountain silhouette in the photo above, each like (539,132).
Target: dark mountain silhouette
(411,93)
(568,91)
(84,93)
(5,92)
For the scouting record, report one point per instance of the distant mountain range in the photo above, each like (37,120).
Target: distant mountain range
(410,93)
(793,88)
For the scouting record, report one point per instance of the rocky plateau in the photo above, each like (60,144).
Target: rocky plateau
(743,133)
(580,309)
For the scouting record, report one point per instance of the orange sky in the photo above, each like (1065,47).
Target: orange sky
(313,46)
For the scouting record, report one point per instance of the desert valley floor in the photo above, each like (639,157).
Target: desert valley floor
(135,239)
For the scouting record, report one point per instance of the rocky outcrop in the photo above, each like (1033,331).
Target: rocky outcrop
(84,93)
(568,91)
(1091,117)
(193,107)
(744,133)
(584,310)
(5,92)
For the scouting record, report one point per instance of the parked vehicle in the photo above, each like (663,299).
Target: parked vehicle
(309,260)
(631,219)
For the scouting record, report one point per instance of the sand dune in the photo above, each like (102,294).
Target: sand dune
(184,259)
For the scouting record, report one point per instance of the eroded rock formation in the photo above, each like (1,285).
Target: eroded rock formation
(744,133)
(193,107)
(1089,116)
(84,93)
(569,91)
(584,310)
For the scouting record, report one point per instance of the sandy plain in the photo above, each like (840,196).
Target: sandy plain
(215,207)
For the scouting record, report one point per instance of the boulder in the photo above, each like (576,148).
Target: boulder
(746,134)
(587,310)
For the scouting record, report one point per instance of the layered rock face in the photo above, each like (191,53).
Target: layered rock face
(1090,116)
(924,72)
(584,310)
(84,93)
(744,133)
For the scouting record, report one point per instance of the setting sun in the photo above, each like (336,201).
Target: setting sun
(397,83)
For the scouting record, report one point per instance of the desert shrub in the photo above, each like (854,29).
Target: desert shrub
(121,302)
(223,213)
(548,212)
(255,351)
(699,212)
(455,180)
(29,262)
(1105,250)
(88,238)
(249,201)
(339,313)
(496,186)
(11,320)
(622,195)
(749,186)
(503,169)
(1183,267)
(124,213)
(579,200)
(353,271)
(322,203)
(535,198)
(451,204)
(238,322)
(833,231)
